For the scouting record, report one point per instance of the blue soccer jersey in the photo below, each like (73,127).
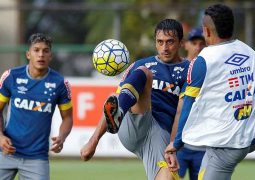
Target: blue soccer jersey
(31,106)
(169,81)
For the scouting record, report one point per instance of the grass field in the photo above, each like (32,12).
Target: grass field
(121,169)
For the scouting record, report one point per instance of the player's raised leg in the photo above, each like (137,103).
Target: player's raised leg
(135,97)
(133,94)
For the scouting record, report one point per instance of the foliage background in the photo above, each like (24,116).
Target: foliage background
(91,21)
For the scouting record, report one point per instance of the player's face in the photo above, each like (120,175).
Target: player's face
(167,45)
(39,56)
(195,46)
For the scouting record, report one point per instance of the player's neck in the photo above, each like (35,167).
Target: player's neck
(37,73)
(216,40)
(177,59)
(190,57)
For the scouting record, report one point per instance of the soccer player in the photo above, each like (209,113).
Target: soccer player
(195,43)
(143,113)
(32,92)
(189,158)
(218,108)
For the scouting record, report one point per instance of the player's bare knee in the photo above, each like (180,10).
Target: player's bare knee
(164,174)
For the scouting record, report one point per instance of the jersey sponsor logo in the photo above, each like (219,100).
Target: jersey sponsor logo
(50,85)
(166,87)
(4,76)
(237,59)
(21,81)
(237,95)
(243,113)
(149,64)
(246,79)
(240,70)
(177,68)
(234,82)
(33,105)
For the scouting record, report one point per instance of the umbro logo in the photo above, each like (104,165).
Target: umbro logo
(237,59)
(22,89)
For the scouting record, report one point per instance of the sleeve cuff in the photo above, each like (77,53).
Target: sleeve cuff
(178,144)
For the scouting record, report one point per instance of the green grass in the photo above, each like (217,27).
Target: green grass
(106,169)
(244,171)
(124,169)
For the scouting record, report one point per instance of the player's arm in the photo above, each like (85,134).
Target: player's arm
(2,105)
(195,81)
(176,119)
(171,158)
(66,112)
(64,130)
(5,142)
(88,150)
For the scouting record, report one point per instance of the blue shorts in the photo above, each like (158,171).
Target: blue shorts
(33,169)
(190,160)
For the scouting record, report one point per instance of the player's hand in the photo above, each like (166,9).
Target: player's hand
(172,162)
(170,148)
(57,144)
(88,150)
(171,159)
(6,145)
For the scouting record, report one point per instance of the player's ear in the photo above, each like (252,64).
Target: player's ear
(206,31)
(28,55)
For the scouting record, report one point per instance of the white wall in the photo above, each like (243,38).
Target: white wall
(9,20)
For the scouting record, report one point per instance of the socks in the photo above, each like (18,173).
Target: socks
(132,86)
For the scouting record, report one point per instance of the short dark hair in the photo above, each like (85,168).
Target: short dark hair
(223,19)
(170,25)
(39,37)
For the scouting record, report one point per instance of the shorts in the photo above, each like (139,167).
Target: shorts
(142,135)
(28,169)
(219,163)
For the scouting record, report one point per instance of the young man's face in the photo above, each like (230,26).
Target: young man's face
(39,56)
(194,46)
(167,45)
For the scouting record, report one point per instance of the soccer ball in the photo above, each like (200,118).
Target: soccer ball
(110,57)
